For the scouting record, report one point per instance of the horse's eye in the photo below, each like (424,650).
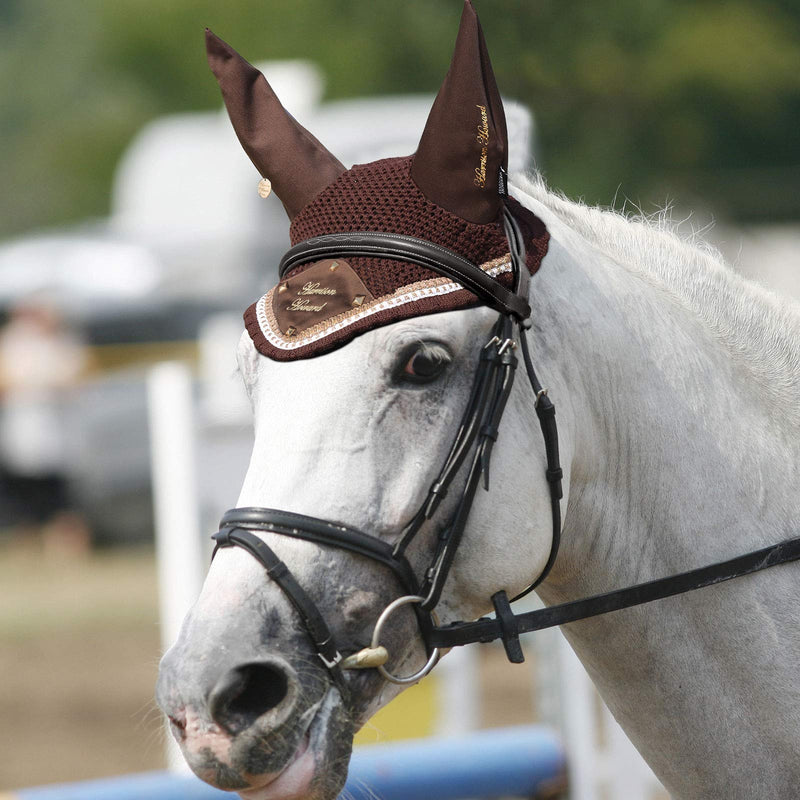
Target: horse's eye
(424,364)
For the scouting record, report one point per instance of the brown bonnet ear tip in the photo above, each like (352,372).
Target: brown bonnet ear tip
(215,46)
(219,54)
(469,10)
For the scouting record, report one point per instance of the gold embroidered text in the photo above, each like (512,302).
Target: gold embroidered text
(304,305)
(316,288)
(483,140)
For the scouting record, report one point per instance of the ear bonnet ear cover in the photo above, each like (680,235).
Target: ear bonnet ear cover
(447,194)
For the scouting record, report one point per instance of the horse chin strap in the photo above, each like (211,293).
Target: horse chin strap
(476,435)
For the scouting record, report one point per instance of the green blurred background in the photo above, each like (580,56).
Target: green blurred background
(645,99)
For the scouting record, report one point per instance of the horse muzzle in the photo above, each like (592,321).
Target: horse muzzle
(263,726)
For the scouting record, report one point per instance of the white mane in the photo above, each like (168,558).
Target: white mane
(758,327)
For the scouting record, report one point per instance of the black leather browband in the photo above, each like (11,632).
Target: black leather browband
(413,250)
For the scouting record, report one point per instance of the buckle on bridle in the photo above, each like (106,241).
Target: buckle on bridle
(330,664)
(507,343)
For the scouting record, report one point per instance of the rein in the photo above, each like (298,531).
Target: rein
(487,629)
(476,434)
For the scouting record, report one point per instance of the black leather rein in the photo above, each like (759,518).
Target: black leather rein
(471,449)
(487,629)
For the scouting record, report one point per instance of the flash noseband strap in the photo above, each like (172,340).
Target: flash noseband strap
(416,251)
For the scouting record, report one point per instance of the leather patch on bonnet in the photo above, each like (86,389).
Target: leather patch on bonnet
(313,296)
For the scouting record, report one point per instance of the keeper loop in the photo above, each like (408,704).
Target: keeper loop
(554,475)
(438,490)
(509,627)
(223,537)
(490,431)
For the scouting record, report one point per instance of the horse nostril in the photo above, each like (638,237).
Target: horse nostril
(246,692)
(178,725)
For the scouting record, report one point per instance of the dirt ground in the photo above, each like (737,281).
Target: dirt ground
(79,649)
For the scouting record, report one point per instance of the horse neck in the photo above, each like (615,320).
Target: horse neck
(677,458)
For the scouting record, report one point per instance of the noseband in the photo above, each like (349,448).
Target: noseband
(475,438)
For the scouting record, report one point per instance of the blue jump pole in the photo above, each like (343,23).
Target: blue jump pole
(507,762)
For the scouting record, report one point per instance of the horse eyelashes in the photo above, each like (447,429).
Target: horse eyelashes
(423,364)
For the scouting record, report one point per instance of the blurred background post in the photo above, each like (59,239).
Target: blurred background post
(131,233)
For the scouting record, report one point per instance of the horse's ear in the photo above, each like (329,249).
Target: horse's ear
(465,143)
(283,151)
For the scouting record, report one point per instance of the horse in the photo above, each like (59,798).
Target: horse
(678,392)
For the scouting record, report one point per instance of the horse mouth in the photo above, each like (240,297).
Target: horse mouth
(293,782)
(315,770)
(318,767)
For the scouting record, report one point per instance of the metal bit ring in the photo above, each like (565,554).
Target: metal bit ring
(376,636)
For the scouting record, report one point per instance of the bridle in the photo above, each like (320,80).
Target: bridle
(473,443)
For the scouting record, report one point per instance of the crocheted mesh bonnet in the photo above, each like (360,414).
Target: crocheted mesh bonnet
(446,194)
(381,196)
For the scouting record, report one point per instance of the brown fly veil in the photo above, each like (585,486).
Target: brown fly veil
(450,193)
